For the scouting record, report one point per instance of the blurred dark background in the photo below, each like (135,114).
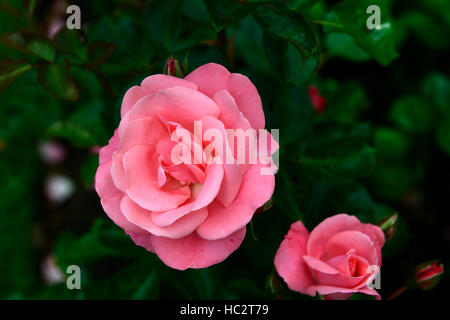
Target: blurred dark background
(381,145)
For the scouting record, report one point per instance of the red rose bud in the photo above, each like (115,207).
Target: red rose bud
(428,274)
(319,103)
(389,225)
(173,68)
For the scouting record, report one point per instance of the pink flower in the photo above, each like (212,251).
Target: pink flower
(337,259)
(191,214)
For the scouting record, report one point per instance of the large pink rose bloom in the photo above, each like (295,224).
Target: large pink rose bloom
(337,259)
(192,215)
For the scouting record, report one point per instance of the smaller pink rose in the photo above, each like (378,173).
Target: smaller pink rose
(336,260)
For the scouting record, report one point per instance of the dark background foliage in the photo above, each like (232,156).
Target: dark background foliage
(381,146)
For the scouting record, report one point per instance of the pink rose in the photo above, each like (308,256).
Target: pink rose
(337,259)
(191,214)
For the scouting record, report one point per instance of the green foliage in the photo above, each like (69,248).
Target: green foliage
(56,79)
(386,121)
(10,70)
(411,114)
(350,17)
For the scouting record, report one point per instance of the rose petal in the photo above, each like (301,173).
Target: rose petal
(213,77)
(232,172)
(195,252)
(349,264)
(142,218)
(210,78)
(201,197)
(142,185)
(329,276)
(247,98)
(376,235)
(178,104)
(341,242)
(230,114)
(151,85)
(335,293)
(146,131)
(105,153)
(110,198)
(256,189)
(328,227)
(289,262)
(142,240)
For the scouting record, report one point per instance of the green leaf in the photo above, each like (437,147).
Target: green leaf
(78,135)
(425,28)
(334,140)
(391,143)
(330,197)
(352,166)
(223,12)
(436,88)
(350,17)
(440,8)
(103,240)
(344,46)
(346,100)
(30,44)
(42,49)
(12,16)
(89,116)
(287,63)
(100,51)
(293,103)
(56,79)
(391,181)
(134,48)
(10,70)
(292,27)
(300,4)
(148,289)
(195,10)
(286,199)
(411,114)
(291,43)
(248,37)
(71,44)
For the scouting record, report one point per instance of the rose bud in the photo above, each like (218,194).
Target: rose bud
(428,274)
(173,68)
(319,103)
(389,225)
